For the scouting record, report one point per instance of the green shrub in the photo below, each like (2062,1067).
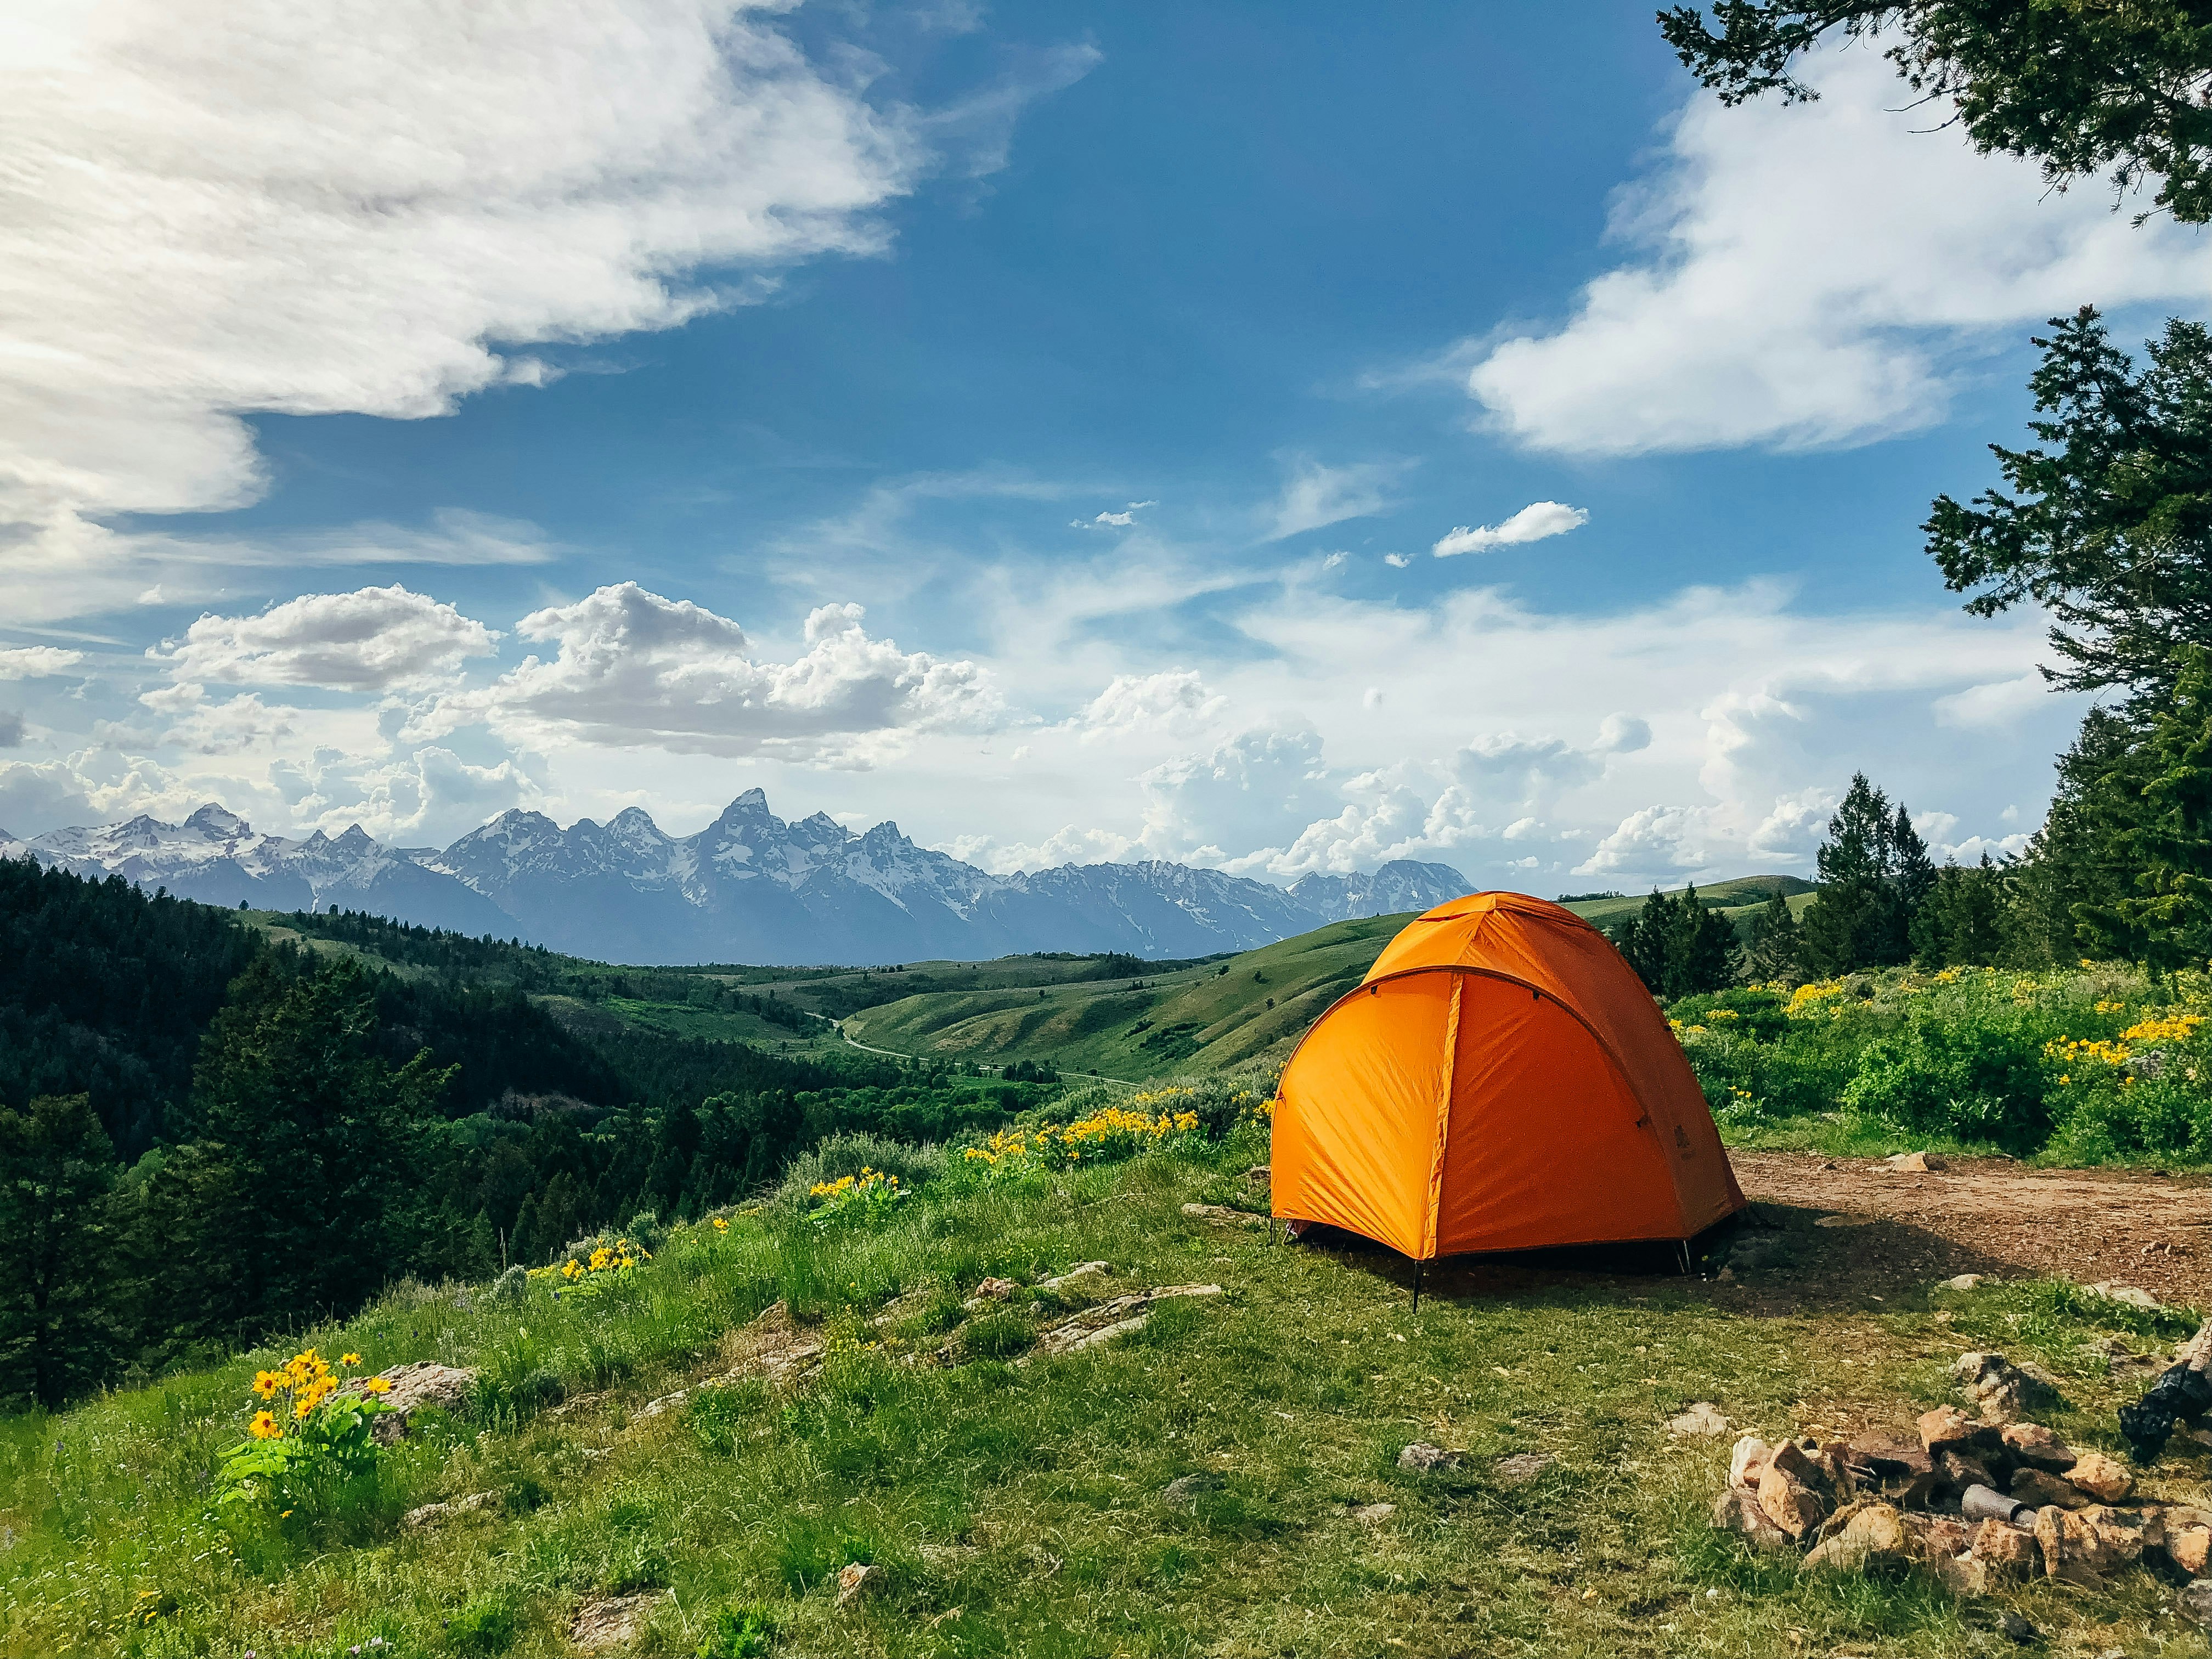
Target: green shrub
(1971,1078)
(484,1627)
(842,1155)
(737,1633)
(2115,1117)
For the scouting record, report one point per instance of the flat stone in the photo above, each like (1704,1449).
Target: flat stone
(1373,1515)
(2040,1490)
(1122,1317)
(613,1621)
(2100,1477)
(2192,1550)
(856,1583)
(2009,1552)
(1186,1489)
(424,1383)
(1700,1421)
(1875,1538)
(431,1514)
(2038,1447)
(1964,1282)
(1081,1270)
(2193,1603)
(2133,1295)
(1423,1456)
(1220,1215)
(1846,1221)
(1737,1511)
(1917,1163)
(1888,1457)
(1524,1467)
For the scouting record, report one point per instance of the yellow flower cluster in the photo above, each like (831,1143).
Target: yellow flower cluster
(1813,992)
(2077,1051)
(617,1257)
(1111,1128)
(868,1181)
(2104,1007)
(307,1379)
(2181,1027)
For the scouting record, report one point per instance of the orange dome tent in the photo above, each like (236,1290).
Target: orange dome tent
(1500,1080)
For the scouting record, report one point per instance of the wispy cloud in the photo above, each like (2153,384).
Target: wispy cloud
(1533,523)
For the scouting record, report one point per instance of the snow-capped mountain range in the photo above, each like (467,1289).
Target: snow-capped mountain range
(748,888)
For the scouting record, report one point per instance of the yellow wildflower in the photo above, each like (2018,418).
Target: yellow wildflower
(348,1359)
(377,1385)
(263,1427)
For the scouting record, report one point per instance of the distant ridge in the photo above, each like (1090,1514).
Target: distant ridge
(749,887)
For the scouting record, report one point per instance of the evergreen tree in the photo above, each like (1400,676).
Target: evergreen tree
(1964,921)
(1774,949)
(1705,954)
(2171,908)
(2080,865)
(1855,922)
(56,1326)
(1912,873)
(1643,936)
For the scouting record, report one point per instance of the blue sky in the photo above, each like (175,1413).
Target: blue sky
(787,384)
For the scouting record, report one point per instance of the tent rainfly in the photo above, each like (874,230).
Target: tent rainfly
(1501,1080)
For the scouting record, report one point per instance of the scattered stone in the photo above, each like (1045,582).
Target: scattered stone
(1700,1421)
(1746,1459)
(666,1402)
(1889,1456)
(2005,1392)
(2193,1603)
(2122,1535)
(2133,1295)
(1964,1282)
(2037,1447)
(1947,1426)
(1875,1539)
(1966,1577)
(2041,1491)
(991,1290)
(1081,1270)
(431,1514)
(853,1582)
(1917,1163)
(1524,1467)
(1123,1315)
(2192,1550)
(1423,1456)
(1221,1215)
(2014,1628)
(425,1383)
(1737,1511)
(1259,1174)
(2070,1547)
(1846,1221)
(2009,1552)
(613,1621)
(1185,1489)
(1789,1503)
(1373,1515)
(2100,1477)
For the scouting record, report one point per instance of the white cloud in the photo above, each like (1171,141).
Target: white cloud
(632,667)
(1623,735)
(32,662)
(1174,700)
(238,726)
(1315,495)
(1533,523)
(1808,274)
(1994,705)
(1656,840)
(1396,561)
(214,210)
(375,639)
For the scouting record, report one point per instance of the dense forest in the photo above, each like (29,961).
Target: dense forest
(205,1135)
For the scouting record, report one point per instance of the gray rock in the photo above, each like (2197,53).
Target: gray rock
(614,1621)
(1423,1456)
(2193,1603)
(431,1514)
(1524,1466)
(2017,1629)
(1373,1515)
(1187,1488)
(1700,1421)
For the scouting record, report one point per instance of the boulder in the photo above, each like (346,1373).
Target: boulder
(1917,1163)
(1425,1457)
(425,1383)
(1524,1467)
(2070,1547)
(1737,1511)
(2040,1491)
(2100,1477)
(2121,1535)
(2193,1603)
(2192,1550)
(613,1621)
(1875,1539)
(2133,1295)
(1790,1505)
(1945,1427)
(857,1583)
(2005,1393)
(2009,1552)
(1700,1421)
(2036,1446)
(1746,1459)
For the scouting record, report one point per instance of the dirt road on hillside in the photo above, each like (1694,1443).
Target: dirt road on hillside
(1982,1215)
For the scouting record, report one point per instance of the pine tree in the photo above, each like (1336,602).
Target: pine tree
(1858,920)
(1774,949)
(1704,958)
(2172,906)
(56,1326)
(1912,876)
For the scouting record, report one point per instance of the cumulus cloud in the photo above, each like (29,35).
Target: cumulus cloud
(1808,273)
(1533,523)
(1657,840)
(235,727)
(32,662)
(1396,561)
(1993,704)
(374,639)
(1314,495)
(214,210)
(631,667)
(1173,701)
(1623,735)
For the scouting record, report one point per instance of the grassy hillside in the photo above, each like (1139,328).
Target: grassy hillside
(1027,1509)
(1734,899)
(1207,1017)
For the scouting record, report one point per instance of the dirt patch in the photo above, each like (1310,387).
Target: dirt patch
(1982,1215)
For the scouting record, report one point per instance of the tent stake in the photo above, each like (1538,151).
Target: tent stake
(1417,1287)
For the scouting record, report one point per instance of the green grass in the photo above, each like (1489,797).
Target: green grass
(1016,1508)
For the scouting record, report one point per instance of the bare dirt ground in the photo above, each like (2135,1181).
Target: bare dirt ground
(1982,1216)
